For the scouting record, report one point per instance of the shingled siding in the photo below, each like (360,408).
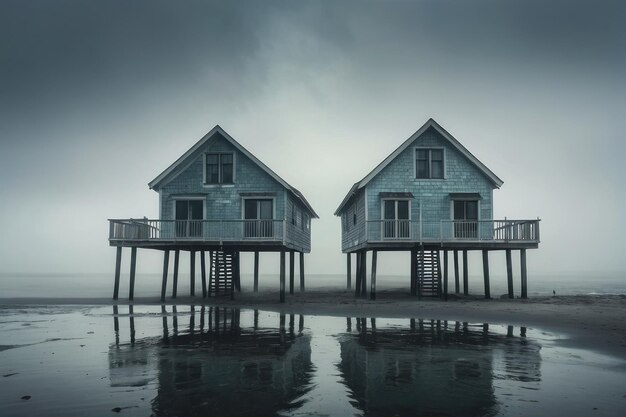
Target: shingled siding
(222,202)
(461,176)
(298,234)
(354,235)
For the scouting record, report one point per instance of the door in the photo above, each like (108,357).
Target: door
(465,219)
(188,218)
(396,219)
(258,215)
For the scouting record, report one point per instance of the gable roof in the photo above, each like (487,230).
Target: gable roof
(447,136)
(166,176)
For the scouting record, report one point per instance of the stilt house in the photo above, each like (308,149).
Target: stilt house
(430,195)
(219,198)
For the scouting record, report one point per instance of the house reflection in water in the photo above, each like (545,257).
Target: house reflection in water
(217,366)
(433,367)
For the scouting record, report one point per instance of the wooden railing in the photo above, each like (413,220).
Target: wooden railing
(453,230)
(196,230)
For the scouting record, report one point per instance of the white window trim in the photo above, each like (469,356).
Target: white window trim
(243,205)
(203,198)
(445,163)
(382,212)
(452,207)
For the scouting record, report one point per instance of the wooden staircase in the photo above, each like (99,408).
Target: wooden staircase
(222,273)
(428,273)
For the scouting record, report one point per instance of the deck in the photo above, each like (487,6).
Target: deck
(268,235)
(447,234)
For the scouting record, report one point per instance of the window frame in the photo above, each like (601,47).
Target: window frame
(430,165)
(220,169)
(382,216)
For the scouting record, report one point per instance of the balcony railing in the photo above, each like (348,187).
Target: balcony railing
(453,230)
(196,230)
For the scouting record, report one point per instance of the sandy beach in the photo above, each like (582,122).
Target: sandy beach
(594,322)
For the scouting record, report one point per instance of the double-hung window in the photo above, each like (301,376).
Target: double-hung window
(429,163)
(396,219)
(219,168)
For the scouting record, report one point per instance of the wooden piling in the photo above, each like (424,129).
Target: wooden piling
(256,271)
(282,276)
(210,272)
(522,255)
(509,272)
(192,273)
(373,283)
(465,274)
(301,271)
(445,275)
(413,272)
(237,271)
(203,273)
(486,273)
(439,289)
(175,279)
(457,287)
(166,261)
(357,283)
(349,271)
(291,270)
(118,266)
(364,274)
(133,264)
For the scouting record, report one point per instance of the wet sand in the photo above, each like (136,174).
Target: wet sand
(594,322)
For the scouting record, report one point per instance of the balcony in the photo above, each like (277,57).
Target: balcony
(495,231)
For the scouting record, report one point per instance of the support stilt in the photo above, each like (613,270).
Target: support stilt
(256,271)
(509,272)
(486,273)
(413,272)
(301,271)
(192,273)
(203,273)
(373,283)
(175,280)
(237,271)
(445,275)
(118,266)
(133,265)
(465,274)
(457,287)
(166,261)
(292,268)
(349,272)
(364,274)
(282,276)
(210,272)
(522,257)
(357,283)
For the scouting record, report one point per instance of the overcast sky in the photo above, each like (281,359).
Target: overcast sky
(98,97)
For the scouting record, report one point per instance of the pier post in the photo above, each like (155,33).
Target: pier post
(364,274)
(282,276)
(118,266)
(357,284)
(237,271)
(256,271)
(210,272)
(166,261)
(445,275)
(413,272)
(349,272)
(465,274)
(203,273)
(192,272)
(457,287)
(486,273)
(133,265)
(373,283)
(522,255)
(509,272)
(439,289)
(291,270)
(301,271)
(175,279)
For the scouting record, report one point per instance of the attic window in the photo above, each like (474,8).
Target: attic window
(219,168)
(429,163)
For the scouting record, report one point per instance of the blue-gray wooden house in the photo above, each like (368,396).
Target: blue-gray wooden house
(429,195)
(221,199)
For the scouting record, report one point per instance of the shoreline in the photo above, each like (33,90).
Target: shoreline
(593,322)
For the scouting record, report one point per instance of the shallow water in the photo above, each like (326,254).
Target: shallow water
(149,360)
